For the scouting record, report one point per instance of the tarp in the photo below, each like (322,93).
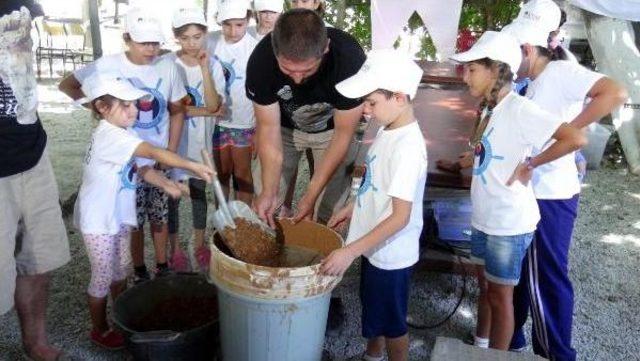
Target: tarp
(618,9)
(389,17)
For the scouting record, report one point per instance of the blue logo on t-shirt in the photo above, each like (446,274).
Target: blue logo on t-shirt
(367,182)
(230,76)
(151,112)
(195,98)
(484,153)
(128,176)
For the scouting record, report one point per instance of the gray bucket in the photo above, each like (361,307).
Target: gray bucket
(275,313)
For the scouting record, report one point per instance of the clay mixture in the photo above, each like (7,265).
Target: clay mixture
(250,244)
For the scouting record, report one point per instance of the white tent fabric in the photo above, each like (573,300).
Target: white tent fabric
(389,17)
(619,9)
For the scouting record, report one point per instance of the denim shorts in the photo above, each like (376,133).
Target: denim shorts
(501,255)
(238,138)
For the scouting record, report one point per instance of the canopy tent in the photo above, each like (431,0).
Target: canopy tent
(618,9)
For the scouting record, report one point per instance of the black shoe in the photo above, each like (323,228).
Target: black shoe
(140,276)
(164,271)
(335,321)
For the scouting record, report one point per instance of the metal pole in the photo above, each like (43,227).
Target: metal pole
(94,22)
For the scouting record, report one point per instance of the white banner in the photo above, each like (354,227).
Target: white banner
(619,9)
(389,17)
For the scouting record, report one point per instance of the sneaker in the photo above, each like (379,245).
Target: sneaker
(178,261)
(164,271)
(110,340)
(141,276)
(335,320)
(203,257)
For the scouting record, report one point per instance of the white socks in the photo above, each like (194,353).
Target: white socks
(367,357)
(480,342)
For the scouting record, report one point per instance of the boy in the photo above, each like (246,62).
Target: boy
(387,213)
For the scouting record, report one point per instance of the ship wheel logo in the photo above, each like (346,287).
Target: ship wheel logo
(128,176)
(151,110)
(195,99)
(484,155)
(367,181)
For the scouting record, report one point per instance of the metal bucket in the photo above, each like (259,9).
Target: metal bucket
(275,313)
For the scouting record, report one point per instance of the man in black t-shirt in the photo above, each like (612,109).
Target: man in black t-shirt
(33,239)
(291,78)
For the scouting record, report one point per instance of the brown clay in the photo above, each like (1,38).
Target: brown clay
(250,244)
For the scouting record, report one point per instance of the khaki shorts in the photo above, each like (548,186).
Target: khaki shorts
(33,238)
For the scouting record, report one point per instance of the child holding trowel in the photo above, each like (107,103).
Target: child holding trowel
(386,216)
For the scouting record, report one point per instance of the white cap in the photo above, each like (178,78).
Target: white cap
(269,5)
(142,27)
(498,46)
(100,83)
(386,69)
(232,9)
(542,14)
(184,16)
(526,33)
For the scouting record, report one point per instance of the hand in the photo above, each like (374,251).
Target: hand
(203,59)
(183,188)
(337,262)
(341,218)
(172,189)
(265,206)
(221,111)
(466,160)
(306,207)
(203,171)
(522,173)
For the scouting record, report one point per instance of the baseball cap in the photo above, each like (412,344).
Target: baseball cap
(268,5)
(498,46)
(184,16)
(142,27)
(386,69)
(112,83)
(542,14)
(526,33)
(232,9)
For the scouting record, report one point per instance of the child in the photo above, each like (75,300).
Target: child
(505,212)
(387,213)
(204,82)
(267,13)
(234,132)
(159,122)
(105,207)
(560,87)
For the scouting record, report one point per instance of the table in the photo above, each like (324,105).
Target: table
(441,73)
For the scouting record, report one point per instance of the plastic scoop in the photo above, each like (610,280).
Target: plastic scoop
(228,211)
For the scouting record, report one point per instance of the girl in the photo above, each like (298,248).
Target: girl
(159,121)
(561,88)
(234,132)
(267,13)
(105,207)
(204,82)
(505,213)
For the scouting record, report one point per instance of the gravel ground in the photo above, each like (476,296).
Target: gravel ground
(604,268)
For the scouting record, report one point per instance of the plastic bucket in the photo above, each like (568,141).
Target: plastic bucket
(275,313)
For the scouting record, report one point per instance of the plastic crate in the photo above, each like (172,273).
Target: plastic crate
(453,217)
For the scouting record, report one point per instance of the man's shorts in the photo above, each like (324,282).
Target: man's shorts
(152,203)
(33,238)
(501,255)
(384,295)
(231,137)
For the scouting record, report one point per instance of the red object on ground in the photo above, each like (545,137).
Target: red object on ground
(111,340)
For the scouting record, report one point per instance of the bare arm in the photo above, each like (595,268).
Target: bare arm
(339,260)
(146,150)
(158,179)
(269,143)
(211,97)
(345,122)
(176,121)
(606,95)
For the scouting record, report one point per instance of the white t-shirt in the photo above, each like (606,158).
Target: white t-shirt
(396,167)
(560,89)
(234,58)
(160,79)
(516,126)
(197,131)
(107,196)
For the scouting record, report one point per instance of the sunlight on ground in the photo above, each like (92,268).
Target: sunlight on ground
(465,312)
(622,238)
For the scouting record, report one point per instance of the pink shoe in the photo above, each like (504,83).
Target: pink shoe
(203,257)
(178,261)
